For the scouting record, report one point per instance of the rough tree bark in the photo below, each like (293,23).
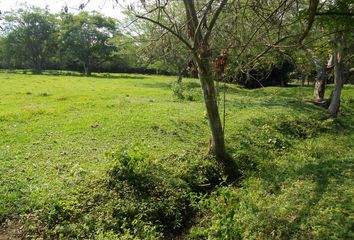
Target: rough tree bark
(201,54)
(321,76)
(339,43)
(210,100)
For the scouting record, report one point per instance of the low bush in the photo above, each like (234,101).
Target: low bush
(138,199)
(185,91)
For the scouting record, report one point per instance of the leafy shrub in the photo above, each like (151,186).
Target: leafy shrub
(136,200)
(185,91)
(303,127)
(201,172)
(178,89)
(219,223)
(150,192)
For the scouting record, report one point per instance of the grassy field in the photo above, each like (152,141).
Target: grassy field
(120,157)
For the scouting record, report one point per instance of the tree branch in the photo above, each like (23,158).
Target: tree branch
(270,47)
(311,18)
(168,29)
(261,25)
(203,18)
(213,20)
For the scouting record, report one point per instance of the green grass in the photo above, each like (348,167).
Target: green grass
(58,135)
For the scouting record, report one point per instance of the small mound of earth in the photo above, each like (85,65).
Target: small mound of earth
(10,230)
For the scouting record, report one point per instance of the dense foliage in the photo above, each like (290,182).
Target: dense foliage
(262,53)
(37,40)
(30,41)
(84,40)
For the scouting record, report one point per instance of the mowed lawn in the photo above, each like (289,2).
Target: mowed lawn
(57,132)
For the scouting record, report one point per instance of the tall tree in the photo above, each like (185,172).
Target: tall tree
(31,38)
(339,43)
(84,39)
(321,75)
(195,32)
(337,16)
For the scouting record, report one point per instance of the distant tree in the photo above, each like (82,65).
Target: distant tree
(336,18)
(30,38)
(84,39)
(124,57)
(321,74)
(164,53)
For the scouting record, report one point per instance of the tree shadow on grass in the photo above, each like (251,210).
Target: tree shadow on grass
(160,85)
(275,102)
(324,173)
(120,76)
(321,173)
(78,74)
(276,91)
(167,85)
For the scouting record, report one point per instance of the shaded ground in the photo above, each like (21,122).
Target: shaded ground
(10,230)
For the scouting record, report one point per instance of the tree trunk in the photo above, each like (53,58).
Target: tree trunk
(320,81)
(201,53)
(282,82)
(217,146)
(334,105)
(180,74)
(210,100)
(36,65)
(320,86)
(87,70)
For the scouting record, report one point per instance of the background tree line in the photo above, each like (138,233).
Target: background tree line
(262,51)
(38,40)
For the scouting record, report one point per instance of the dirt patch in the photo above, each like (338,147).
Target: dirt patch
(11,230)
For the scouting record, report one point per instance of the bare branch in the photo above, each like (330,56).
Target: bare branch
(311,18)
(213,20)
(168,29)
(203,18)
(269,48)
(261,25)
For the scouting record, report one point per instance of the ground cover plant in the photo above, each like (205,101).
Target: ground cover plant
(118,156)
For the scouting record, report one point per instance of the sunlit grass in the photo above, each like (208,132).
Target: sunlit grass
(56,131)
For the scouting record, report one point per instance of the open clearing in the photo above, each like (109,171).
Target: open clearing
(57,134)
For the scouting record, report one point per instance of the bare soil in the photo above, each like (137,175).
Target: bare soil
(10,230)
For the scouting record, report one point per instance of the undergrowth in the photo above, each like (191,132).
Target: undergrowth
(296,184)
(287,177)
(137,199)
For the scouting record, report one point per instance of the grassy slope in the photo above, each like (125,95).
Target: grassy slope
(56,130)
